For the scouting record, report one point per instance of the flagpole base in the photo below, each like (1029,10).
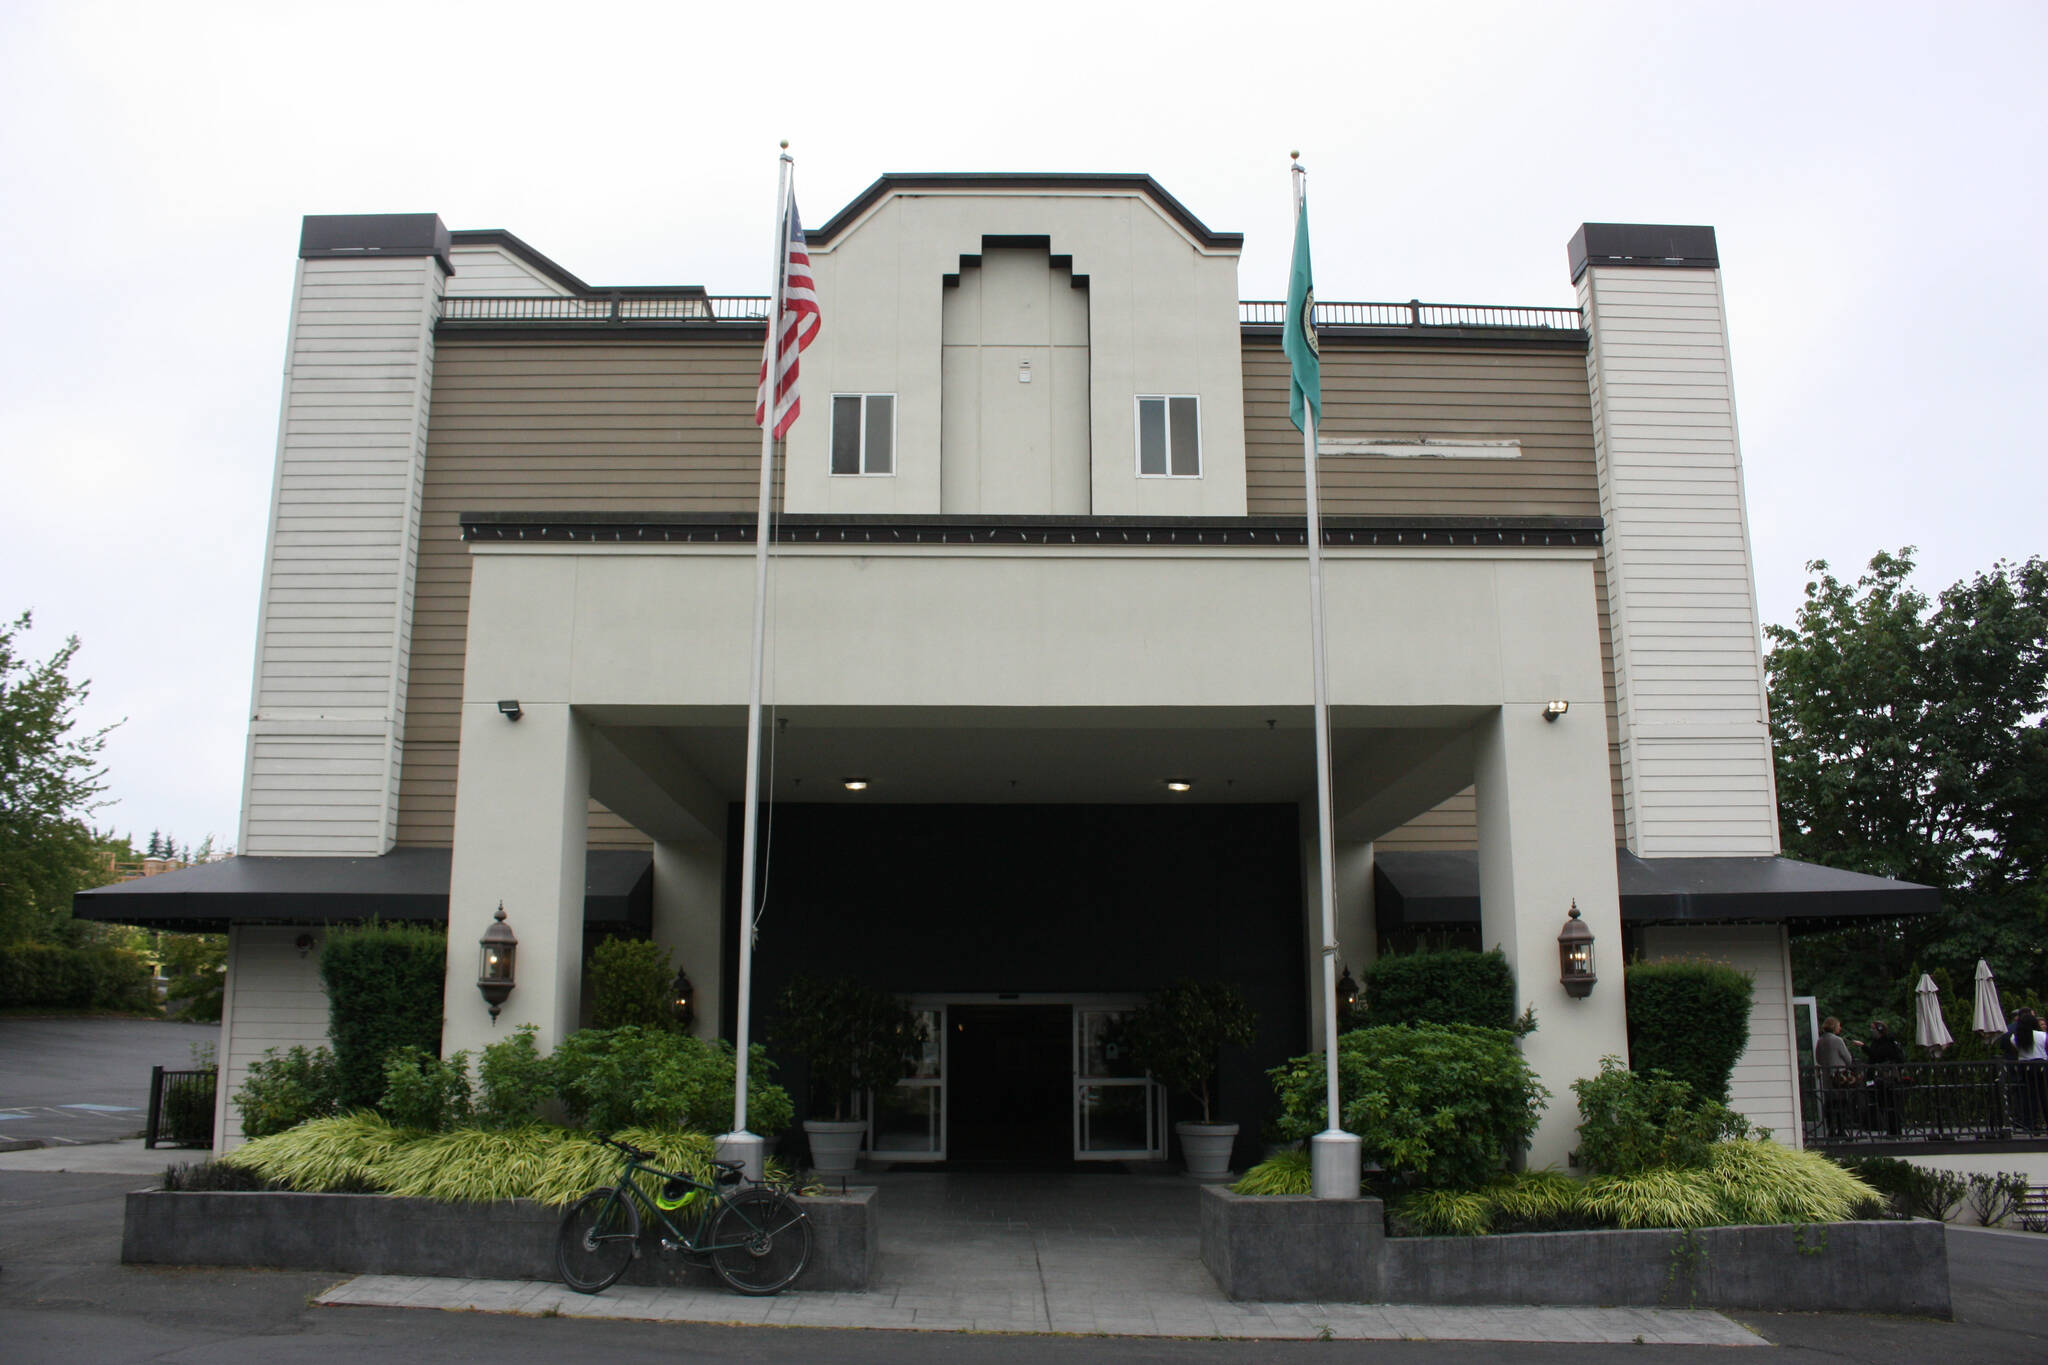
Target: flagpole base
(749,1149)
(1335,1163)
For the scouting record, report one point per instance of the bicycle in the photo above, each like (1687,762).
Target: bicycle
(756,1238)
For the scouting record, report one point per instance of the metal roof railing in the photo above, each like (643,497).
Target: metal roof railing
(1416,313)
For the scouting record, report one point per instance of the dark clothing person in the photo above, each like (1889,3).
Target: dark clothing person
(1839,1083)
(1885,1054)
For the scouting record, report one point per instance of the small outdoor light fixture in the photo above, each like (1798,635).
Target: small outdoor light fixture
(1575,956)
(1553,710)
(1347,993)
(686,999)
(1179,784)
(854,784)
(494,977)
(510,709)
(304,943)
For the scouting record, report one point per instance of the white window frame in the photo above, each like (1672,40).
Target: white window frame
(1138,433)
(864,472)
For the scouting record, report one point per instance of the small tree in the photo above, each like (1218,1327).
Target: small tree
(1178,1031)
(853,1036)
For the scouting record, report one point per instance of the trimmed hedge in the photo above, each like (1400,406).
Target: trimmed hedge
(632,982)
(384,986)
(99,976)
(1450,986)
(1689,1018)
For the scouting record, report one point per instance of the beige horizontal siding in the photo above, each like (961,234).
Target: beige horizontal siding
(652,427)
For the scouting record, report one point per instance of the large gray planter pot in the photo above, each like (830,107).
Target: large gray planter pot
(1206,1148)
(835,1144)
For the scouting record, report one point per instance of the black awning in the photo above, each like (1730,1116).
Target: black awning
(1416,890)
(409,884)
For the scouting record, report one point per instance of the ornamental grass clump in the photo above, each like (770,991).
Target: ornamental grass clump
(1658,1198)
(323,1155)
(1758,1181)
(1445,1213)
(1285,1172)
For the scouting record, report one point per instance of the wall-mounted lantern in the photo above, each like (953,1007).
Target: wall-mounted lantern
(494,977)
(685,1000)
(1575,956)
(1347,998)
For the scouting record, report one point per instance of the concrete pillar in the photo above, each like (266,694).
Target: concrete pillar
(521,828)
(1355,933)
(689,896)
(1546,839)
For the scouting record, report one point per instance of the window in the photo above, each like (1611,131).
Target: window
(1169,437)
(863,433)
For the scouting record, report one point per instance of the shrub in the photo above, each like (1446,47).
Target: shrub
(610,1079)
(1633,1122)
(1911,1191)
(1690,1019)
(513,1081)
(384,991)
(1993,1198)
(1661,1197)
(422,1091)
(282,1091)
(96,976)
(1281,1173)
(632,983)
(1534,1201)
(1439,1106)
(212,1175)
(333,1155)
(853,1036)
(1449,986)
(1179,1030)
(1444,1213)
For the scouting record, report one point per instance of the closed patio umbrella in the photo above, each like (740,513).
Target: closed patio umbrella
(1928,1029)
(1986,1017)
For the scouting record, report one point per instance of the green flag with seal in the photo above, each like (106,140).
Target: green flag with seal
(1298,336)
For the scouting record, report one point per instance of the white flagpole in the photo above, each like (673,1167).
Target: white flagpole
(739,1144)
(1334,1153)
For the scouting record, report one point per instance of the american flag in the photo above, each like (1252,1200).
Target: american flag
(795,328)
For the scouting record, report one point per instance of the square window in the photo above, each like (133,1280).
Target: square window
(863,433)
(1169,436)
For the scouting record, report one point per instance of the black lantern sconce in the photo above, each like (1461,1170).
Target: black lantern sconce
(1347,998)
(686,1000)
(1575,956)
(494,977)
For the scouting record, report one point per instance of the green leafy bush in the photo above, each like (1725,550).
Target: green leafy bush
(384,991)
(632,983)
(1179,1030)
(1438,1106)
(96,976)
(1633,1122)
(284,1090)
(1447,986)
(1444,1213)
(1910,1191)
(422,1091)
(1285,1172)
(513,1081)
(610,1079)
(1534,1201)
(1994,1197)
(1690,1019)
(211,1175)
(853,1036)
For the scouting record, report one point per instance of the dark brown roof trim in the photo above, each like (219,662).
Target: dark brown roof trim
(737,528)
(541,265)
(898,181)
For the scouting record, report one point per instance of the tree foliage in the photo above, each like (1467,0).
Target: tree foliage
(50,781)
(1911,742)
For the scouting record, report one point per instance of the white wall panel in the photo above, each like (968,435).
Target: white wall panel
(274,1000)
(1764,1085)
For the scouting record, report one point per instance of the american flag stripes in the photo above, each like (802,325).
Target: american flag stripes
(795,327)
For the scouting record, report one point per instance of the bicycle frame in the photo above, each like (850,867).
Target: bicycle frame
(694,1242)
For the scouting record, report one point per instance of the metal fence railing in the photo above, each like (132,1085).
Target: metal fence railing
(617,306)
(180,1108)
(1929,1102)
(1416,313)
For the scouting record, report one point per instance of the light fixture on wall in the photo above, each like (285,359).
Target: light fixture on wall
(1575,956)
(854,784)
(510,709)
(1347,997)
(686,1000)
(1552,710)
(1179,784)
(495,975)
(304,943)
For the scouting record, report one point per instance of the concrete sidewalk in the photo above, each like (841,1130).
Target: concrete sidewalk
(1087,1254)
(128,1157)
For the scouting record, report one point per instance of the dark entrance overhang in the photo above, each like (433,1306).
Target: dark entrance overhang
(408,884)
(1428,890)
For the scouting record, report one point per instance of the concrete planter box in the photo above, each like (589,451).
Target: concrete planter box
(1297,1249)
(376,1234)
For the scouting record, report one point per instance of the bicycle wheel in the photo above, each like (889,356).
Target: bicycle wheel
(599,1235)
(762,1240)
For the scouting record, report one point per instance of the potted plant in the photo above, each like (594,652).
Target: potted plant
(853,1038)
(1176,1035)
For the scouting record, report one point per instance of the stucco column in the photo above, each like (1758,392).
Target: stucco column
(1546,839)
(521,825)
(689,890)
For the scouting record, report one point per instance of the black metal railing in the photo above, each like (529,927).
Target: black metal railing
(1416,313)
(1925,1102)
(180,1108)
(615,306)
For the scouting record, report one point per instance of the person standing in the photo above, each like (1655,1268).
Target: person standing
(1837,1075)
(2030,1053)
(1885,1054)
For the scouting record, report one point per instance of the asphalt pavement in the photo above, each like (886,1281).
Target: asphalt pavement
(86,1080)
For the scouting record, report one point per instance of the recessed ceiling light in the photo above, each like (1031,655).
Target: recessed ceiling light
(1179,784)
(855,784)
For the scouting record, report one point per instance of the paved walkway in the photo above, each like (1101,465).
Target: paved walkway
(1096,1254)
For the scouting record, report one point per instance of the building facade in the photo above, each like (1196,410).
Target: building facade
(1038,553)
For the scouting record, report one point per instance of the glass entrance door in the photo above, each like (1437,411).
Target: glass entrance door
(1119,1112)
(909,1121)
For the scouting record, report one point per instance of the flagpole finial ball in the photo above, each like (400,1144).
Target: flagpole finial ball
(785,144)
(1294,156)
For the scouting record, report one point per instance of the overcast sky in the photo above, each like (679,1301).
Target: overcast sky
(1875,173)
